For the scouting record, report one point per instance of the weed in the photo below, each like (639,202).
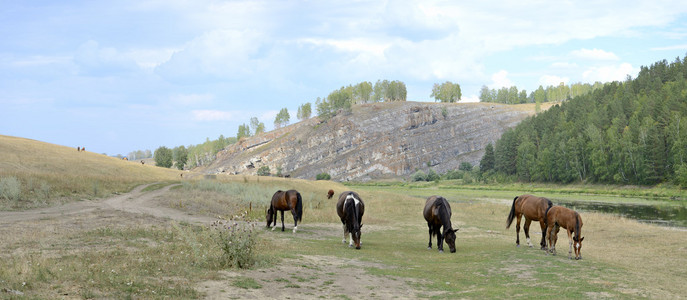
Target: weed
(10,188)
(237,240)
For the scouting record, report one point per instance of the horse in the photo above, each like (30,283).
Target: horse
(330,194)
(437,212)
(281,201)
(534,209)
(557,217)
(350,209)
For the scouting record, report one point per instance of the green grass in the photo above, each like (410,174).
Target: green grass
(246,283)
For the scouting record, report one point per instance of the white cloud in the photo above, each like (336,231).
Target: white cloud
(500,79)
(609,73)
(549,80)
(594,54)
(215,115)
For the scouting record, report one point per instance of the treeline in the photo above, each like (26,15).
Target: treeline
(631,132)
(364,92)
(551,93)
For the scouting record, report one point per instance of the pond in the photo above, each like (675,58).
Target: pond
(662,214)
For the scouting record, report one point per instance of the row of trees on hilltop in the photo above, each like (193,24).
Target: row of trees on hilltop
(363,92)
(551,93)
(631,132)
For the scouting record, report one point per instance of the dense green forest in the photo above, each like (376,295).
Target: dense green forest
(631,132)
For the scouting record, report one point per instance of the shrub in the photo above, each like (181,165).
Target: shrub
(237,240)
(432,175)
(323,176)
(264,171)
(465,166)
(453,174)
(681,176)
(419,176)
(10,188)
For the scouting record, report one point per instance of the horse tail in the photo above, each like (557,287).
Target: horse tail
(299,207)
(512,214)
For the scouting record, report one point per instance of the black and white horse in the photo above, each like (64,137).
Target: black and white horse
(350,209)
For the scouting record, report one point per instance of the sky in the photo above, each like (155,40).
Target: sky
(120,76)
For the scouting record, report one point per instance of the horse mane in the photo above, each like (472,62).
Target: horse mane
(577,227)
(444,216)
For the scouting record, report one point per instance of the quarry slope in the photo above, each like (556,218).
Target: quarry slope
(375,141)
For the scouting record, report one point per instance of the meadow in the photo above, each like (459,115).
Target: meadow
(106,252)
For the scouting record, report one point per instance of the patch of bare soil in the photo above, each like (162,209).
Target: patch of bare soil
(313,277)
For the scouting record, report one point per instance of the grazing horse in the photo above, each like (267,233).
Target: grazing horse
(330,194)
(281,201)
(350,209)
(557,217)
(437,212)
(534,209)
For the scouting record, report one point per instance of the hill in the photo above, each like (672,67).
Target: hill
(38,173)
(375,141)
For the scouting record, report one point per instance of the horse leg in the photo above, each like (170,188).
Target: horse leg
(517,230)
(429,246)
(570,242)
(440,241)
(282,221)
(295,221)
(548,235)
(527,231)
(344,234)
(274,217)
(554,236)
(542,224)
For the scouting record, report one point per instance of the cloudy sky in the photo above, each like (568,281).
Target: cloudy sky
(119,76)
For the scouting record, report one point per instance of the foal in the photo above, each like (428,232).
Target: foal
(558,216)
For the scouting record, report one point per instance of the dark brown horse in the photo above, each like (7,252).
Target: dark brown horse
(350,209)
(557,217)
(437,212)
(330,194)
(534,209)
(281,201)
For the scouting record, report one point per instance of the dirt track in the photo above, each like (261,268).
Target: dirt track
(310,277)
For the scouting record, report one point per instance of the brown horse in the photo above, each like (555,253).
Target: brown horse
(437,212)
(281,201)
(350,209)
(330,194)
(534,209)
(557,217)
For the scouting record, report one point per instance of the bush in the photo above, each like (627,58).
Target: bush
(163,157)
(264,171)
(237,241)
(453,174)
(465,166)
(419,176)
(681,176)
(432,176)
(10,188)
(323,176)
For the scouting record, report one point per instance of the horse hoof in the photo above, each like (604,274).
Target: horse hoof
(343,241)
(350,246)
(273,228)
(429,248)
(441,251)
(282,229)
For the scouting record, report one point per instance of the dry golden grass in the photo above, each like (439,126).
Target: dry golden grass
(52,174)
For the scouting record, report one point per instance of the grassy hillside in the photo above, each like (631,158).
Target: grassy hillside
(34,174)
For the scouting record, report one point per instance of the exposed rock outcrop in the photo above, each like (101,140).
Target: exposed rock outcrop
(378,140)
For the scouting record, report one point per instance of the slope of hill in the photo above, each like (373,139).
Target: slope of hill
(46,173)
(380,140)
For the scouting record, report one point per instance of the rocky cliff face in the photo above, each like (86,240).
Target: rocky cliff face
(381,140)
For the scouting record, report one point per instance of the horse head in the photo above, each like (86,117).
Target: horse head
(577,245)
(450,238)
(268,215)
(356,235)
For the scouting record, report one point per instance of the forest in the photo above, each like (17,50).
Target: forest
(630,132)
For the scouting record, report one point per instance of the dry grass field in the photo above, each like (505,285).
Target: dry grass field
(50,174)
(164,241)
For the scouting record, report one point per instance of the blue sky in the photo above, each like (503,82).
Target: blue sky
(119,76)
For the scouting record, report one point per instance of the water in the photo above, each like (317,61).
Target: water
(662,214)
